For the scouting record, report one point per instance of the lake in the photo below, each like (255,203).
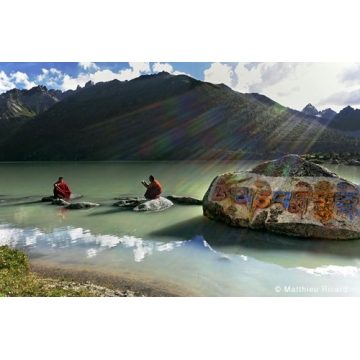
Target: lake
(175,252)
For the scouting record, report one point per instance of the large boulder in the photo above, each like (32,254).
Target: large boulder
(288,196)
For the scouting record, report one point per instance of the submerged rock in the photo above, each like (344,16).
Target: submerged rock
(82,205)
(184,200)
(288,196)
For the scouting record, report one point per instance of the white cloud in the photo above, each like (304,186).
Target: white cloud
(342,99)
(140,67)
(55,72)
(219,73)
(135,70)
(267,74)
(88,66)
(70,83)
(158,67)
(246,77)
(297,84)
(41,77)
(51,77)
(350,75)
(5,82)
(104,75)
(22,78)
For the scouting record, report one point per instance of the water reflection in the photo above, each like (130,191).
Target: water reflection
(66,237)
(212,264)
(350,271)
(265,246)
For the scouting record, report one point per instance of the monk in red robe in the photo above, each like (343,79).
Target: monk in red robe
(154,189)
(61,189)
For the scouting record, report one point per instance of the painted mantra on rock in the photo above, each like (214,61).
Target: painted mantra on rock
(327,199)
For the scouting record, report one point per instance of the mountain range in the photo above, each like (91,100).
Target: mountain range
(163,117)
(310,109)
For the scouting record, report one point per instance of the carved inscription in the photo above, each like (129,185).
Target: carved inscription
(281,197)
(323,199)
(262,195)
(300,198)
(243,196)
(220,192)
(326,201)
(346,199)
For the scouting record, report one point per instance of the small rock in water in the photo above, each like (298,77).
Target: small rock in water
(60,202)
(129,203)
(154,205)
(82,205)
(189,200)
(52,198)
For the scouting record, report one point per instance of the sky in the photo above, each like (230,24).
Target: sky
(332,85)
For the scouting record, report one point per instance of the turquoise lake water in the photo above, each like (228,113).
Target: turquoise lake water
(177,249)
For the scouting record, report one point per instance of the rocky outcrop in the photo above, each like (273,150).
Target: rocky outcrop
(288,196)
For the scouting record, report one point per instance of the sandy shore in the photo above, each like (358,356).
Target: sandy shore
(107,284)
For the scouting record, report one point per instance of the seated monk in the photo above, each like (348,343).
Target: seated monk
(154,189)
(61,189)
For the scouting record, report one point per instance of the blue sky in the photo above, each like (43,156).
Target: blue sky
(294,84)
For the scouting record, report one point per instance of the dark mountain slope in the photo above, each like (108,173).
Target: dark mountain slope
(19,106)
(348,119)
(164,117)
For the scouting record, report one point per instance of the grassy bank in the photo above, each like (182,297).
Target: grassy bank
(16,280)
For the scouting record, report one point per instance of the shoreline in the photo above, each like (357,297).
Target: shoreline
(105,284)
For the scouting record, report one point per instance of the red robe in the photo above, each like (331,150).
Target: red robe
(62,191)
(153,190)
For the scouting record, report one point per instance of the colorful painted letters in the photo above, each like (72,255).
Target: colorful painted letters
(327,201)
